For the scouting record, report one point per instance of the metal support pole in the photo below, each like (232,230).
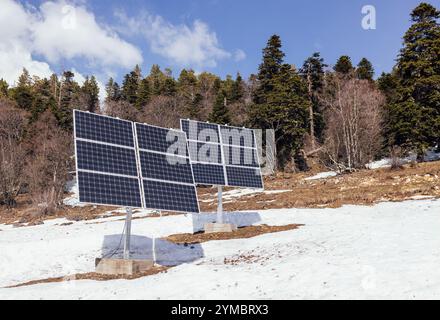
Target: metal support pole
(127,234)
(154,242)
(154,249)
(220,204)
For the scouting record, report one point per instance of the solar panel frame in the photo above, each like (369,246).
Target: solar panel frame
(77,170)
(156,166)
(170,197)
(254,144)
(140,179)
(186,156)
(200,126)
(202,169)
(105,122)
(105,158)
(195,146)
(106,191)
(184,124)
(243,159)
(246,177)
(155,132)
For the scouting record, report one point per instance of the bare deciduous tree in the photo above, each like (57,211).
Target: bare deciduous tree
(163,111)
(353,117)
(12,154)
(49,163)
(122,109)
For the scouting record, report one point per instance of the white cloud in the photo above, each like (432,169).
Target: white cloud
(14,57)
(239,55)
(66,31)
(55,31)
(185,45)
(14,44)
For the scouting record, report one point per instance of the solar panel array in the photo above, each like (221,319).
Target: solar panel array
(134,165)
(223,155)
(166,172)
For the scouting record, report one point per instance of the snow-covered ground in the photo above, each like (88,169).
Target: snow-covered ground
(322,175)
(390,250)
(231,195)
(430,155)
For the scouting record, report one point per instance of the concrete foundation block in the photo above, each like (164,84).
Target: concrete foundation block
(220,227)
(122,266)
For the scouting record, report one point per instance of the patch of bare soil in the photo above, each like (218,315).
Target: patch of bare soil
(94,276)
(245,259)
(364,187)
(241,233)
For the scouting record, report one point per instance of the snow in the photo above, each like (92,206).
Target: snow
(430,155)
(73,199)
(232,195)
(322,175)
(389,250)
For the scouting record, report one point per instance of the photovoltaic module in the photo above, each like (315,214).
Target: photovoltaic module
(130,164)
(223,155)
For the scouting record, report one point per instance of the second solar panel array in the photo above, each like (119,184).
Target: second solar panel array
(223,155)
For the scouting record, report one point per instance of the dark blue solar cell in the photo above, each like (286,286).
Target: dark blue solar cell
(105,158)
(244,177)
(105,189)
(92,126)
(205,152)
(209,174)
(170,196)
(161,139)
(237,136)
(239,156)
(200,131)
(165,167)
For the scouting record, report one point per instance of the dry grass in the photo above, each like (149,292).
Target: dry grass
(26,213)
(364,187)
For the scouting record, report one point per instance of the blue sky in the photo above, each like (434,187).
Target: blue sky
(223,37)
(331,27)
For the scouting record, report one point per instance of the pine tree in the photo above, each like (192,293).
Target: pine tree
(312,72)
(388,84)
(43,99)
(169,87)
(343,65)
(67,90)
(216,86)
(237,90)
(157,79)
(280,102)
(364,70)
(415,116)
(90,90)
(4,89)
(228,85)
(143,94)
(22,93)
(187,89)
(130,86)
(220,112)
(113,92)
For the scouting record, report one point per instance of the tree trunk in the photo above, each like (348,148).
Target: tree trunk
(311,115)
